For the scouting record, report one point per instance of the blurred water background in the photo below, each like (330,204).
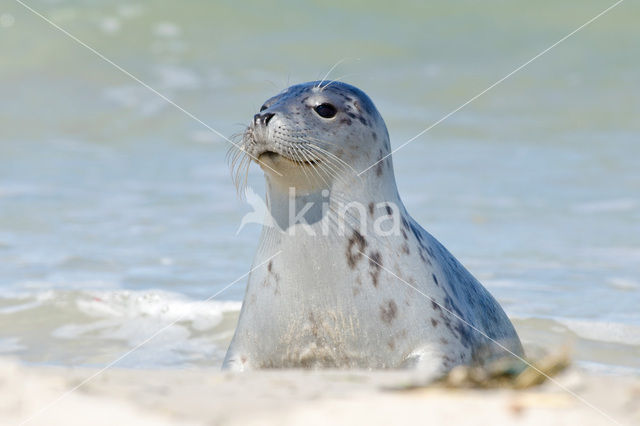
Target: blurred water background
(117,212)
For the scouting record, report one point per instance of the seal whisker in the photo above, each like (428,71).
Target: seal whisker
(245,178)
(331,154)
(293,150)
(325,164)
(337,161)
(241,174)
(303,159)
(321,166)
(314,165)
(239,161)
(327,153)
(315,160)
(330,71)
(335,80)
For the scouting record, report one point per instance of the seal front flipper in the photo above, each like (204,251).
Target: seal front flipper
(236,362)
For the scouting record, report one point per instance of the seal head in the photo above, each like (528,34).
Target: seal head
(311,132)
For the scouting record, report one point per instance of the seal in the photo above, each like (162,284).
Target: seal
(343,276)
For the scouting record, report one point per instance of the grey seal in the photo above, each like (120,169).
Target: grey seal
(353,281)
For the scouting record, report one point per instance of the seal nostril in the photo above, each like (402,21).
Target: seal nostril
(262,119)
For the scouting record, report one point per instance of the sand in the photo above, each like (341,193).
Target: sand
(202,396)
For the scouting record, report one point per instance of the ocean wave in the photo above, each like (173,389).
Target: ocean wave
(154,328)
(604,331)
(160,305)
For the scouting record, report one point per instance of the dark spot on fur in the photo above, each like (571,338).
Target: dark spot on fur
(405,248)
(404,234)
(380,168)
(435,280)
(275,275)
(389,210)
(416,232)
(375,263)
(444,316)
(422,256)
(355,246)
(429,250)
(435,306)
(391,344)
(363,120)
(451,306)
(448,303)
(371,209)
(352,115)
(346,121)
(389,311)
(434,322)
(464,334)
(374,135)
(444,341)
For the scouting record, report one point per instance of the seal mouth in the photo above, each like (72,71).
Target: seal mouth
(272,155)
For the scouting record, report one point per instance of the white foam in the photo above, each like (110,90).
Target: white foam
(613,332)
(174,77)
(33,301)
(622,283)
(19,189)
(10,345)
(614,205)
(7,20)
(136,98)
(163,306)
(162,327)
(166,29)
(130,11)
(110,25)
(602,368)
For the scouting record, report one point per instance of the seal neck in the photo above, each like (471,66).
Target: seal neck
(356,198)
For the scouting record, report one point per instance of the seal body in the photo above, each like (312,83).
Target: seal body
(343,276)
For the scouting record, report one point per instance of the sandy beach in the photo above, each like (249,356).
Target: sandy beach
(206,396)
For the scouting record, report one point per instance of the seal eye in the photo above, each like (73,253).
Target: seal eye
(326,110)
(263,107)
